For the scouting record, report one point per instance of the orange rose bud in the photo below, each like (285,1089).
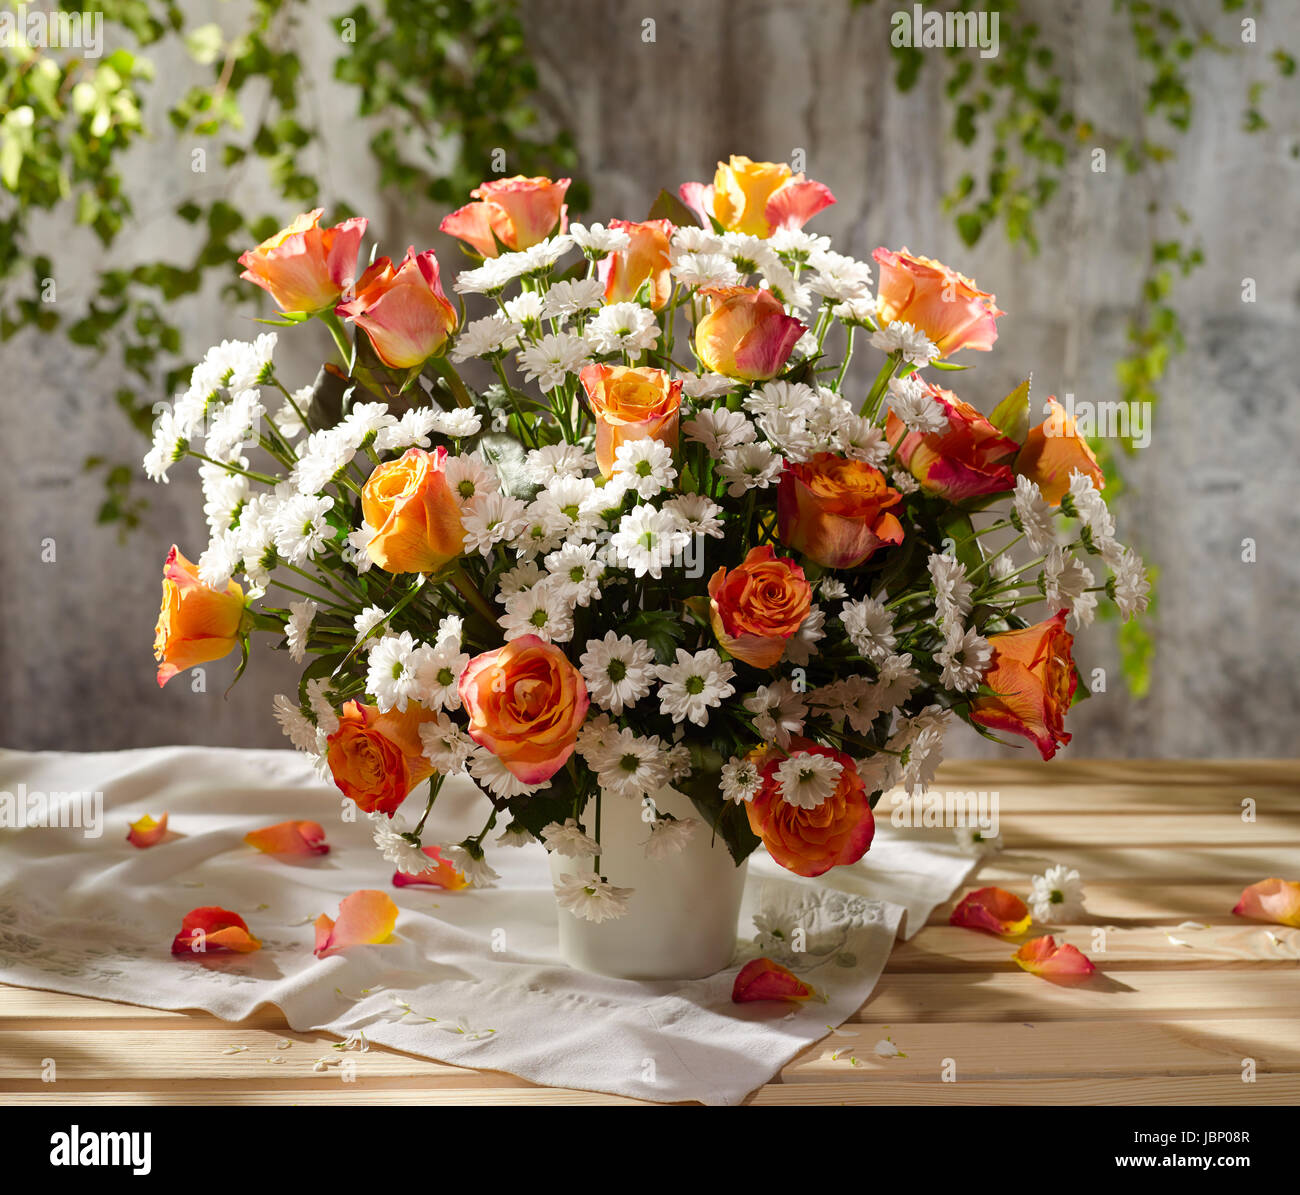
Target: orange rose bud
(747,334)
(214,930)
(517,212)
(812,841)
(757,197)
(525,703)
(947,306)
(1033,680)
(644,261)
(1052,451)
(197,624)
(376,758)
(972,458)
(305,267)
(762,979)
(836,511)
(410,507)
(630,404)
(403,310)
(756,607)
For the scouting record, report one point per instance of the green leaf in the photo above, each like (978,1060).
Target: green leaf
(1011,415)
(668,206)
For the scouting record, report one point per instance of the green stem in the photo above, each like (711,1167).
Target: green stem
(335,325)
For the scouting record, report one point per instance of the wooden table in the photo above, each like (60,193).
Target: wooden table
(1175,1016)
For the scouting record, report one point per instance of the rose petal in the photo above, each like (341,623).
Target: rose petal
(441,874)
(147,832)
(1271,900)
(289,838)
(214,930)
(1042,956)
(366,918)
(993,909)
(762,979)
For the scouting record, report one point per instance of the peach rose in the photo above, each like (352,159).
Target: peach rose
(377,758)
(630,404)
(836,511)
(625,272)
(1052,451)
(1033,680)
(809,842)
(196,623)
(305,267)
(525,703)
(410,507)
(972,458)
(947,306)
(1271,900)
(403,310)
(757,606)
(756,197)
(746,334)
(517,212)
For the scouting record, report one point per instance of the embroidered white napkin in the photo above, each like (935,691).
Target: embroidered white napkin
(96,916)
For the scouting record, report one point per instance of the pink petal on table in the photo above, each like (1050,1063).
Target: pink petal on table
(993,909)
(1042,956)
(1271,900)
(762,979)
(289,838)
(214,930)
(147,832)
(366,918)
(439,874)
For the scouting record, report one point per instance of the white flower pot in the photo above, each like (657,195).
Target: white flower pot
(682,915)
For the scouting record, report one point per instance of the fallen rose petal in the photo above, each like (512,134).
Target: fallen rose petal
(762,979)
(214,930)
(366,918)
(441,874)
(993,909)
(1042,956)
(289,838)
(147,832)
(1271,900)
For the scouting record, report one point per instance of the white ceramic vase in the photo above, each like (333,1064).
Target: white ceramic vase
(682,915)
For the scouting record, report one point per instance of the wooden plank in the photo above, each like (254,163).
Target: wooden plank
(1050,1049)
(1026,831)
(1134,903)
(22,1007)
(1234,865)
(351,1095)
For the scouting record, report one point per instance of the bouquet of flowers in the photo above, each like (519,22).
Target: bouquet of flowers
(632,527)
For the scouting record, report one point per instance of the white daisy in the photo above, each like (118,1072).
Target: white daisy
(367,620)
(491,518)
(693,685)
(301,528)
(1065,584)
(525,308)
(747,467)
(740,780)
(300,729)
(577,572)
(778,712)
(697,513)
(669,836)
(631,766)
(976,841)
(802,645)
(322,707)
(870,627)
(485,337)
(806,779)
(590,897)
(390,837)
(471,864)
(392,672)
(469,477)
(862,440)
(647,540)
(617,670)
(1056,896)
(952,589)
(557,460)
(1129,587)
(568,298)
(964,658)
(446,745)
(645,466)
(569,840)
(623,328)
(544,611)
(706,386)
(719,430)
(439,668)
(1089,507)
(1033,516)
(553,358)
(900,337)
(297,626)
(499,780)
(596,240)
(912,401)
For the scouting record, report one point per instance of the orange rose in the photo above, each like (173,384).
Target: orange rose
(947,306)
(757,606)
(757,197)
(630,404)
(972,458)
(1033,680)
(196,623)
(410,507)
(746,334)
(403,310)
(645,260)
(1052,451)
(517,212)
(525,703)
(836,511)
(809,842)
(306,267)
(376,758)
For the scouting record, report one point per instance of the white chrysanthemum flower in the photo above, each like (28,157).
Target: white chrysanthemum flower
(903,481)
(367,620)
(593,736)
(645,466)
(706,386)
(778,712)
(912,401)
(597,240)
(1001,568)
(920,740)
(900,337)
(524,575)
(591,898)
(704,269)
(288,419)
(553,358)
(952,588)
(412,430)
(234,424)
(1056,896)
(472,865)
(570,297)
(694,685)
(514,835)
(362,425)
(838,277)
(802,645)
(720,430)
(647,540)
(806,779)
(322,706)
(870,627)
(392,673)
(250,363)
(669,836)
(860,310)
(976,841)
(697,513)
(748,467)
(1129,587)
(483,337)
(224,495)
(401,852)
(493,275)
(852,697)
(798,244)
(1034,516)
(499,780)
(543,531)
(300,729)
(569,507)
(623,328)
(1065,584)
(617,670)
(218,561)
(458,424)
(491,518)
(740,780)
(789,435)
(576,571)
(469,477)
(788,398)
(832,589)
(301,528)
(321,458)
(540,257)
(439,668)
(557,460)
(630,766)
(170,444)
(569,840)
(542,610)
(1089,507)
(897,680)
(862,440)
(526,308)
(297,626)
(964,658)
(690,238)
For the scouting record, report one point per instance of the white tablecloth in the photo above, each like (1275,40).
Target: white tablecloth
(96,916)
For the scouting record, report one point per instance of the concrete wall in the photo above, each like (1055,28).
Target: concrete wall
(763,78)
